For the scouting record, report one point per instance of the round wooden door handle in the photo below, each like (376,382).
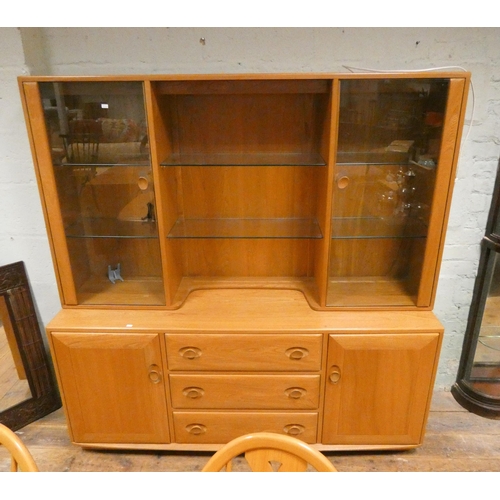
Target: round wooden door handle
(190,352)
(154,374)
(334,375)
(342,181)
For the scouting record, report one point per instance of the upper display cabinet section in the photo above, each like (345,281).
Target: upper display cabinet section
(335,185)
(98,123)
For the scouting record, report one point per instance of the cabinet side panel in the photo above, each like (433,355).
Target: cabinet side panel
(324,207)
(441,202)
(161,130)
(48,191)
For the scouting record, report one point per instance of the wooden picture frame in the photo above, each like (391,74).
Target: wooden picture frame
(31,353)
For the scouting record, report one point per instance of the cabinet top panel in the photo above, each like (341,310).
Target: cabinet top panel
(249,76)
(278,311)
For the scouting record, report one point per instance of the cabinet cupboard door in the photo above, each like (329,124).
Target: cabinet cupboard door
(112,387)
(378,388)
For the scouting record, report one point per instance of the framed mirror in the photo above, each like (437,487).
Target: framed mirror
(27,386)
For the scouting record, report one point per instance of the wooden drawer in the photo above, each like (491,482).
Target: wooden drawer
(243,352)
(280,392)
(221,427)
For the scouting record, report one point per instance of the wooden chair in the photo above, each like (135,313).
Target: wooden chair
(20,455)
(264,449)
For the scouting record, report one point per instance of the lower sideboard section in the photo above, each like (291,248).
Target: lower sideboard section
(338,381)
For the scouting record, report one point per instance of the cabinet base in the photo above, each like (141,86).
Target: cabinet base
(214,447)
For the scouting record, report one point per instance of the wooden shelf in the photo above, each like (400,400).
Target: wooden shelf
(134,291)
(189,285)
(369,292)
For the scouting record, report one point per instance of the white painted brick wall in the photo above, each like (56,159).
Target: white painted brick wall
(83,51)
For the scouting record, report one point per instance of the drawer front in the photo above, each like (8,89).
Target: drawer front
(243,352)
(280,392)
(221,427)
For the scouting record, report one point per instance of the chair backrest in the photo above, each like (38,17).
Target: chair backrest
(269,452)
(20,455)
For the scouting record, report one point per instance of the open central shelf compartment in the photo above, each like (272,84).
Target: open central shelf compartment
(244,163)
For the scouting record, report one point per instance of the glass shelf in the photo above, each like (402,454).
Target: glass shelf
(372,158)
(246,228)
(134,161)
(112,228)
(244,159)
(377,227)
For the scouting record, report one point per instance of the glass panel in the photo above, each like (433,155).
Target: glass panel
(484,374)
(495,227)
(95,122)
(100,153)
(388,151)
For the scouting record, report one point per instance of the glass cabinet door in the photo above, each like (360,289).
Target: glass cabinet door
(389,142)
(100,154)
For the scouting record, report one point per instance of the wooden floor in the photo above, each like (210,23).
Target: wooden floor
(456,441)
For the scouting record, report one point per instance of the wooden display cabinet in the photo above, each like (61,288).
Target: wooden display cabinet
(237,233)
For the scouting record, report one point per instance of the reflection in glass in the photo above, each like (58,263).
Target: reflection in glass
(95,122)
(484,372)
(14,387)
